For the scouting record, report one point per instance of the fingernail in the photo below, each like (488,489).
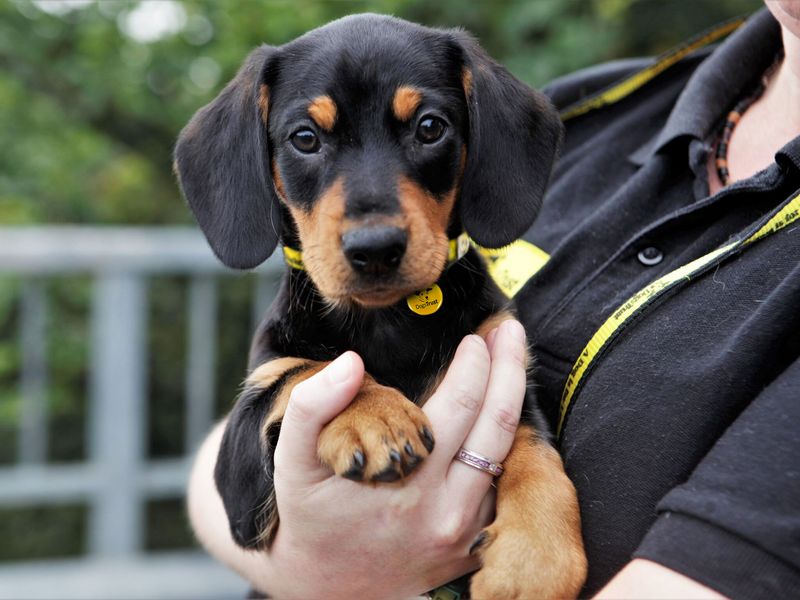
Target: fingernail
(340,369)
(515,329)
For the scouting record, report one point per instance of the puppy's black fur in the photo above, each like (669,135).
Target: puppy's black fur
(223,156)
(250,186)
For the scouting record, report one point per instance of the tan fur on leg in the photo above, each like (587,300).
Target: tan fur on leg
(534,548)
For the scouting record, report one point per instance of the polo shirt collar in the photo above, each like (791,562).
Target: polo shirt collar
(789,155)
(718,82)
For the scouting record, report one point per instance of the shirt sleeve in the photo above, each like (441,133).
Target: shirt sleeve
(735,524)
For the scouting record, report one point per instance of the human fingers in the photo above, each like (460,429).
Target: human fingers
(493,433)
(455,405)
(312,404)
(490,338)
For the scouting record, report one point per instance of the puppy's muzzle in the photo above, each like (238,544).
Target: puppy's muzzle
(375,251)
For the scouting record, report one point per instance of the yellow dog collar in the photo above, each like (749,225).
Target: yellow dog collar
(510,266)
(456,250)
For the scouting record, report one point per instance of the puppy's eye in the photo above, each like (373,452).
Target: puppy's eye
(430,129)
(305,140)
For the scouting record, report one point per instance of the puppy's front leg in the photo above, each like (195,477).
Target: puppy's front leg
(380,436)
(534,548)
(245,463)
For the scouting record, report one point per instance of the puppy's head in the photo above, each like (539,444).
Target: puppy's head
(379,139)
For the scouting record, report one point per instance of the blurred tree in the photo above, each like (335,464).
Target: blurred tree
(93,94)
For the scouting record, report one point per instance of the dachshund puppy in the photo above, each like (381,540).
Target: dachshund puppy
(370,148)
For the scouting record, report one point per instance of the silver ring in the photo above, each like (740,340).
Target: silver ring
(481,463)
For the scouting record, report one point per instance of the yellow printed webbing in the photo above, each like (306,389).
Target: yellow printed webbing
(457,248)
(293,258)
(446,592)
(513,265)
(630,84)
(789,213)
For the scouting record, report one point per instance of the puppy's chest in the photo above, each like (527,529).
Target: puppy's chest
(400,347)
(412,365)
(405,353)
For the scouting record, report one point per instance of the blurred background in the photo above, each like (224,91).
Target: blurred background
(121,338)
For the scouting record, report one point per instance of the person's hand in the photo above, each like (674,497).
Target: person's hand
(339,538)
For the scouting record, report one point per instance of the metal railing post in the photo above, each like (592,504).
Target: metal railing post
(201,353)
(118,419)
(117,478)
(33,380)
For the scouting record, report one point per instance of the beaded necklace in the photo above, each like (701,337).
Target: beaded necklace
(733,118)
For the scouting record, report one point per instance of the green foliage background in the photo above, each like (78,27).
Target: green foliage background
(88,117)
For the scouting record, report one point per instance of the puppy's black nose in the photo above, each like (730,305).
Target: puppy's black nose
(375,250)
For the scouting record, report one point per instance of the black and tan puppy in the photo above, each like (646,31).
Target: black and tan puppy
(367,147)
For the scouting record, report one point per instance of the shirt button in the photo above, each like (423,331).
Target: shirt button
(650,256)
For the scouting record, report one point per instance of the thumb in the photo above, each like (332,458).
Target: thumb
(313,403)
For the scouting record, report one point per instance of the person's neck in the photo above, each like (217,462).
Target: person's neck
(783,95)
(770,122)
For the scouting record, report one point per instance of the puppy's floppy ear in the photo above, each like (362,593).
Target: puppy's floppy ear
(221,159)
(514,134)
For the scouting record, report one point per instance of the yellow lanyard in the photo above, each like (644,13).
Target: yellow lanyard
(634,305)
(627,86)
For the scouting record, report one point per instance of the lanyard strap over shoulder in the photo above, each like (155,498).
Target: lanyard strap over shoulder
(634,305)
(627,86)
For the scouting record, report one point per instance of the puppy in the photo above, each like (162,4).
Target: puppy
(369,148)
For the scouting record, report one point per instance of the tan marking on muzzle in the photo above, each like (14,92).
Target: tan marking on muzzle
(320,231)
(427,219)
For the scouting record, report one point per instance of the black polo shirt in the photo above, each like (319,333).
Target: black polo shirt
(684,439)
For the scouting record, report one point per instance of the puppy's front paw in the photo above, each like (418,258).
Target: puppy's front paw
(381,436)
(516,568)
(534,548)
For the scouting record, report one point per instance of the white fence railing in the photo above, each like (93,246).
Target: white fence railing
(116,480)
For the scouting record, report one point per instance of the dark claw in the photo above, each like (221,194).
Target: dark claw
(478,543)
(356,470)
(390,473)
(427,439)
(412,463)
(413,459)
(394,456)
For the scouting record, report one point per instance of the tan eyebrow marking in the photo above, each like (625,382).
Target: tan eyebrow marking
(323,110)
(405,102)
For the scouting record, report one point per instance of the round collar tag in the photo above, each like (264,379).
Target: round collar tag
(426,301)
